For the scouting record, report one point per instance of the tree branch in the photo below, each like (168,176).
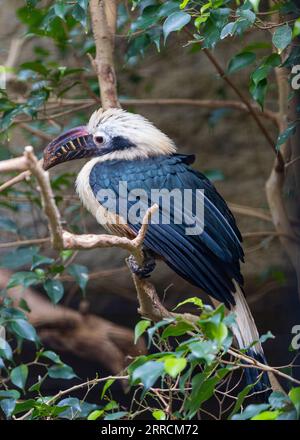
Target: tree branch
(276,180)
(103,16)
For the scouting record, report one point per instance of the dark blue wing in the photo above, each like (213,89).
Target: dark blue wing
(210,260)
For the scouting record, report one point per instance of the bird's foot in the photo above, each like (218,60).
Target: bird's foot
(145,270)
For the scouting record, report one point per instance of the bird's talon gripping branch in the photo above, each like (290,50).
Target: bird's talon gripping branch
(143,271)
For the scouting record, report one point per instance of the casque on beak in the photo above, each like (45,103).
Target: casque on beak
(76,143)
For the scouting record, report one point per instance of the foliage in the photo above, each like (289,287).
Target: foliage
(189,367)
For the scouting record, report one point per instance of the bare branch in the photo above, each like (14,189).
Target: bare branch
(36,132)
(19,178)
(103,16)
(47,196)
(202,103)
(25,242)
(16,164)
(275,182)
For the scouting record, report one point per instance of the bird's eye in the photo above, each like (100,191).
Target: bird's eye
(99,140)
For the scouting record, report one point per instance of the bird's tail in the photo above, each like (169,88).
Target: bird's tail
(246,333)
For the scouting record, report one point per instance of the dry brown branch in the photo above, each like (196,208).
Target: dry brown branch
(275,182)
(52,116)
(47,197)
(103,16)
(17,179)
(54,104)
(16,164)
(25,242)
(250,211)
(36,132)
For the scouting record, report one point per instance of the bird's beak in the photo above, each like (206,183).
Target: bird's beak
(76,143)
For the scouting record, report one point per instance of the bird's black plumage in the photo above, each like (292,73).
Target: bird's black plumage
(210,260)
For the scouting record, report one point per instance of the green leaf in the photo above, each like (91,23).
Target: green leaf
(80,14)
(36,387)
(178,329)
(5,349)
(73,408)
(294,395)
(266,415)
(61,372)
(282,37)
(19,375)
(38,260)
(247,14)
(18,257)
(148,373)
(296,29)
(25,279)
(24,406)
(80,274)
(35,66)
(23,304)
(140,328)
(112,404)
(221,332)
(284,136)
(148,18)
(255,4)
(278,400)
(240,399)
(8,406)
(205,350)
(65,254)
(152,330)
(240,61)
(24,330)
(107,385)
(52,356)
(94,415)
(175,22)
(214,328)
(60,9)
(228,29)
(167,8)
(211,34)
(258,91)
(174,366)
(158,414)
(251,411)
(54,289)
(202,390)
(116,416)
(195,300)
(13,394)
(183,4)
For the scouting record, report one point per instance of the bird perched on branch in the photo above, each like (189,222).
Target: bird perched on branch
(129,155)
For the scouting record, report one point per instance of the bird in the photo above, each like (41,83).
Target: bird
(127,152)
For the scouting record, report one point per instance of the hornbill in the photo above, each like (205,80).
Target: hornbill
(126,147)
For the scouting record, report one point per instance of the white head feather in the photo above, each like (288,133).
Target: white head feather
(148,140)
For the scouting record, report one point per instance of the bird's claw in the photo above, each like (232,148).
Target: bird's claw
(143,271)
